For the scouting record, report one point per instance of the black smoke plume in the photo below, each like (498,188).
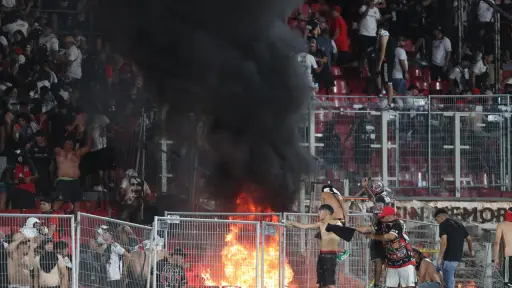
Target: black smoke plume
(234,63)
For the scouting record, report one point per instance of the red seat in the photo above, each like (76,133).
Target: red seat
(506,74)
(416,73)
(336,101)
(292,23)
(422,85)
(336,71)
(304,10)
(315,7)
(10,211)
(439,87)
(340,87)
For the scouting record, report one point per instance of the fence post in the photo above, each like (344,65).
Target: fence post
(261,238)
(282,254)
(77,250)
(74,253)
(509,158)
(155,229)
(429,140)
(457,154)
(384,147)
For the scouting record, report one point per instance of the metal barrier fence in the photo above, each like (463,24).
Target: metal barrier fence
(267,217)
(37,250)
(435,145)
(113,253)
(210,252)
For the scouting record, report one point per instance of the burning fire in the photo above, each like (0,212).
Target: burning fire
(239,259)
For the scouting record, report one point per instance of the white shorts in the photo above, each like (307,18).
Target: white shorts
(401,277)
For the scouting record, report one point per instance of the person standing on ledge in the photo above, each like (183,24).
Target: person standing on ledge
(452,234)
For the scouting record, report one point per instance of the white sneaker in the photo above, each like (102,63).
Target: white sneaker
(99,188)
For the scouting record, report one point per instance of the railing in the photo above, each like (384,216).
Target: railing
(428,146)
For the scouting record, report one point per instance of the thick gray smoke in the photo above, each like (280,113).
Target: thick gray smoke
(234,63)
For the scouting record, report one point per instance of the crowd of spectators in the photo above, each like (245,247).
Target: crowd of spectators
(415,42)
(69,108)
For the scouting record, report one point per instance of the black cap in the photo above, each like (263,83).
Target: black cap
(440,211)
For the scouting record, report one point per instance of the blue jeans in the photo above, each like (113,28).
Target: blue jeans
(429,285)
(449,268)
(399,85)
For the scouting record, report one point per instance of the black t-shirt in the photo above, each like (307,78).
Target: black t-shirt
(41,156)
(170,275)
(398,251)
(455,233)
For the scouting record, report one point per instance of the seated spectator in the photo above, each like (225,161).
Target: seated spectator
(441,55)
(479,75)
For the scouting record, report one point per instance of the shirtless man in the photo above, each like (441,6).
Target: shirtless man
(20,255)
(504,233)
(326,264)
(68,174)
(428,276)
(49,268)
(332,197)
(141,260)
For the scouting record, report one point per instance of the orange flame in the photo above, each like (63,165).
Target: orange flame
(239,259)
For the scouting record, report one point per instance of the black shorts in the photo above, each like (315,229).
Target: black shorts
(326,269)
(386,73)
(377,251)
(69,190)
(366,43)
(507,270)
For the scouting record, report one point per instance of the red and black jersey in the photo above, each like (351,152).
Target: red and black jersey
(398,251)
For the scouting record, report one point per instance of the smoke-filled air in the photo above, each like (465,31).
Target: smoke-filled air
(234,64)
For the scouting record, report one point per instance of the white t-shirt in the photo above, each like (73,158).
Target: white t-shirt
(18,25)
(461,76)
(115,265)
(75,68)
(99,132)
(479,67)
(51,42)
(307,61)
(485,12)
(397,70)
(368,25)
(440,48)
